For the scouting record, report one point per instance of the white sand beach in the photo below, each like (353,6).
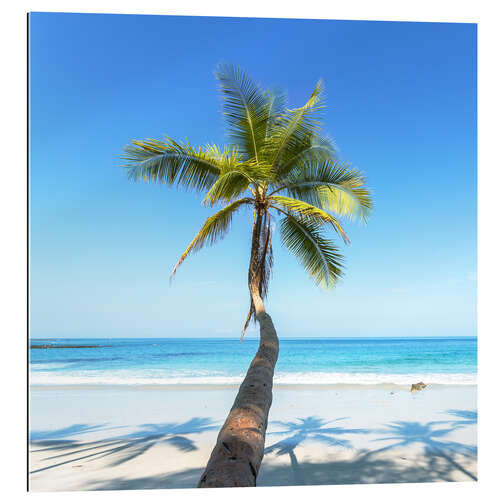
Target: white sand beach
(101,438)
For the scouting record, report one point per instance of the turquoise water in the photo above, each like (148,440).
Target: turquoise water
(447,360)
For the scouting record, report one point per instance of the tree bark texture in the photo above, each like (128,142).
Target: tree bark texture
(237,455)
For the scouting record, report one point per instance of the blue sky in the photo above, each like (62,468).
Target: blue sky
(401,106)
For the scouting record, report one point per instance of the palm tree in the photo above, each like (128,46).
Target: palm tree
(279,165)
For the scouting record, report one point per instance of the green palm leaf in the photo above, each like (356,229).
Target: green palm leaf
(169,161)
(234,180)
(214,229)
(313,149)
(304,210)
(331,185)
(318,255)
(294,130)
(227,187)
(276,106)
(246,108)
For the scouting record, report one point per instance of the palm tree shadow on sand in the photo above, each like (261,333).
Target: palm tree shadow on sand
(465,417)
(124,447)
(308,429)
(365,467)
(70,431)
(433,437)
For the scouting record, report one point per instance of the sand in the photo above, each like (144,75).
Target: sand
(101,438)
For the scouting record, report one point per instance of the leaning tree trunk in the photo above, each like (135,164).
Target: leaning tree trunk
(236,458)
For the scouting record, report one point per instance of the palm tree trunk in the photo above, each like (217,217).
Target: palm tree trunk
(236,458)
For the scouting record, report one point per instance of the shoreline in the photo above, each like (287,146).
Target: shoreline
(278,386)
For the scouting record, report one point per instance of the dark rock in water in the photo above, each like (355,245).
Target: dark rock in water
(418,387)
(50,346)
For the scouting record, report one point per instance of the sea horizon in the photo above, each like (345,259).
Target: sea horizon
(252,336)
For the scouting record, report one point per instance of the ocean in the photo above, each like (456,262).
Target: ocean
(157,361)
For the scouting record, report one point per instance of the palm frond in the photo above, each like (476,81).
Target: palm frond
(304,210)
(331,185)
(246,109)
(294,130)
(228,186)
(318,255)
(214,229)
(234,180)
(313,149)
(276,106)
(172,162)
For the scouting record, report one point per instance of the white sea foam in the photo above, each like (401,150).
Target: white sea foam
(315,378)
(48,366)
(126,377)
